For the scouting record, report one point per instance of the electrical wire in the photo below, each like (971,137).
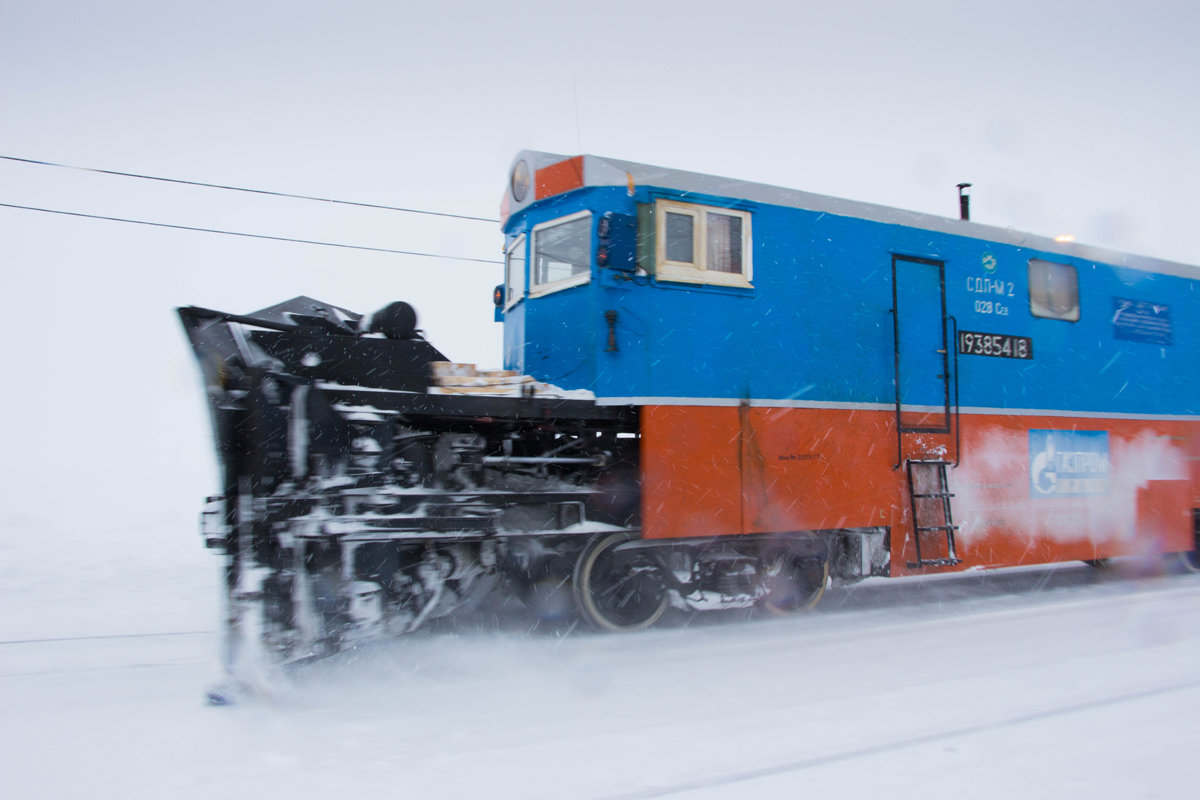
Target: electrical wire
(250,191)
(249,235)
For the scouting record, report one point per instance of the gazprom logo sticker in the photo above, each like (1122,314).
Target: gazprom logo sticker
(1068,463)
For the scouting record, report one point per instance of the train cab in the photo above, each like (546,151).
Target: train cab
(807,363)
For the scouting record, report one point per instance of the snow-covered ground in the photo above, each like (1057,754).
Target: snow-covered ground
(1028,683)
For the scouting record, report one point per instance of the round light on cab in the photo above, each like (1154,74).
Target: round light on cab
(519,183)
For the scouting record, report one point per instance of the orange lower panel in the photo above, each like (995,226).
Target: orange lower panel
(710,471)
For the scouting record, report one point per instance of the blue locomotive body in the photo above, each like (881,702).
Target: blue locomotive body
(805,349)
(814,321)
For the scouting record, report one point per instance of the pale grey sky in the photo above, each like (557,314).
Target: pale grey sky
(1069,117)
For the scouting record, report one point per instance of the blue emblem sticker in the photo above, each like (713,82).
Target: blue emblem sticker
(1139,321)
(1068,463)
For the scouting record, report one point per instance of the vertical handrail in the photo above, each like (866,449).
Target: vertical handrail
(912,503)
(896,371)
(896,363)
(957,409)
(948,516)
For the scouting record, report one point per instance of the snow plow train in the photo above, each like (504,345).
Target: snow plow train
(715,394)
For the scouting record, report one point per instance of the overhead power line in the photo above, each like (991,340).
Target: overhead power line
(249,191)
(249,235)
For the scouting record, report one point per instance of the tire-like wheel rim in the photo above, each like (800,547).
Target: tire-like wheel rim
(618,592)
(793,583)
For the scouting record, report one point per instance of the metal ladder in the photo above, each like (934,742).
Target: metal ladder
(929,515)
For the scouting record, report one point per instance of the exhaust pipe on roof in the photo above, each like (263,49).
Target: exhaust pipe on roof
(964,202)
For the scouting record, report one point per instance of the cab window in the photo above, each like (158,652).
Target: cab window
(514,272)
(561,253)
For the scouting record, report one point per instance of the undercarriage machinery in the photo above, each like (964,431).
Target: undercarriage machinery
(367,489)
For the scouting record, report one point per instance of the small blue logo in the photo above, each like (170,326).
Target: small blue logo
(1068,463)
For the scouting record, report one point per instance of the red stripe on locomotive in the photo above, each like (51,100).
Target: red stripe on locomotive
(711,471)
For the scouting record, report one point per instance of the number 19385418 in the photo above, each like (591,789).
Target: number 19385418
(999,345)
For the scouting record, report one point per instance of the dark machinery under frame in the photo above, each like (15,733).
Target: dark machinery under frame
(356,503)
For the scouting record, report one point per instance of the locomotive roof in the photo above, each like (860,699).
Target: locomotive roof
(550,174)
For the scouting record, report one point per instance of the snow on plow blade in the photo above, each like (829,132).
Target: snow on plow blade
(358,500)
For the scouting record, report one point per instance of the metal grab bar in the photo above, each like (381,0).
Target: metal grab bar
(953,343)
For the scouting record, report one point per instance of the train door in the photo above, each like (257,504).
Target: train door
(922,363)
(923,407)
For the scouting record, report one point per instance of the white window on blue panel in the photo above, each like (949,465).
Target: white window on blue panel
(702,244)
(561,253)
(1053,290)
(514,272)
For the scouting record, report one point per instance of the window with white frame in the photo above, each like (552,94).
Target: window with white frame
(1053,290)
(702,244)
(514,272)
(561,253)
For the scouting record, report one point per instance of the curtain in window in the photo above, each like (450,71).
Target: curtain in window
(724,245)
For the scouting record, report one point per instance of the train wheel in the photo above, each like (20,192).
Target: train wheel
(793,582)
(618,591)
